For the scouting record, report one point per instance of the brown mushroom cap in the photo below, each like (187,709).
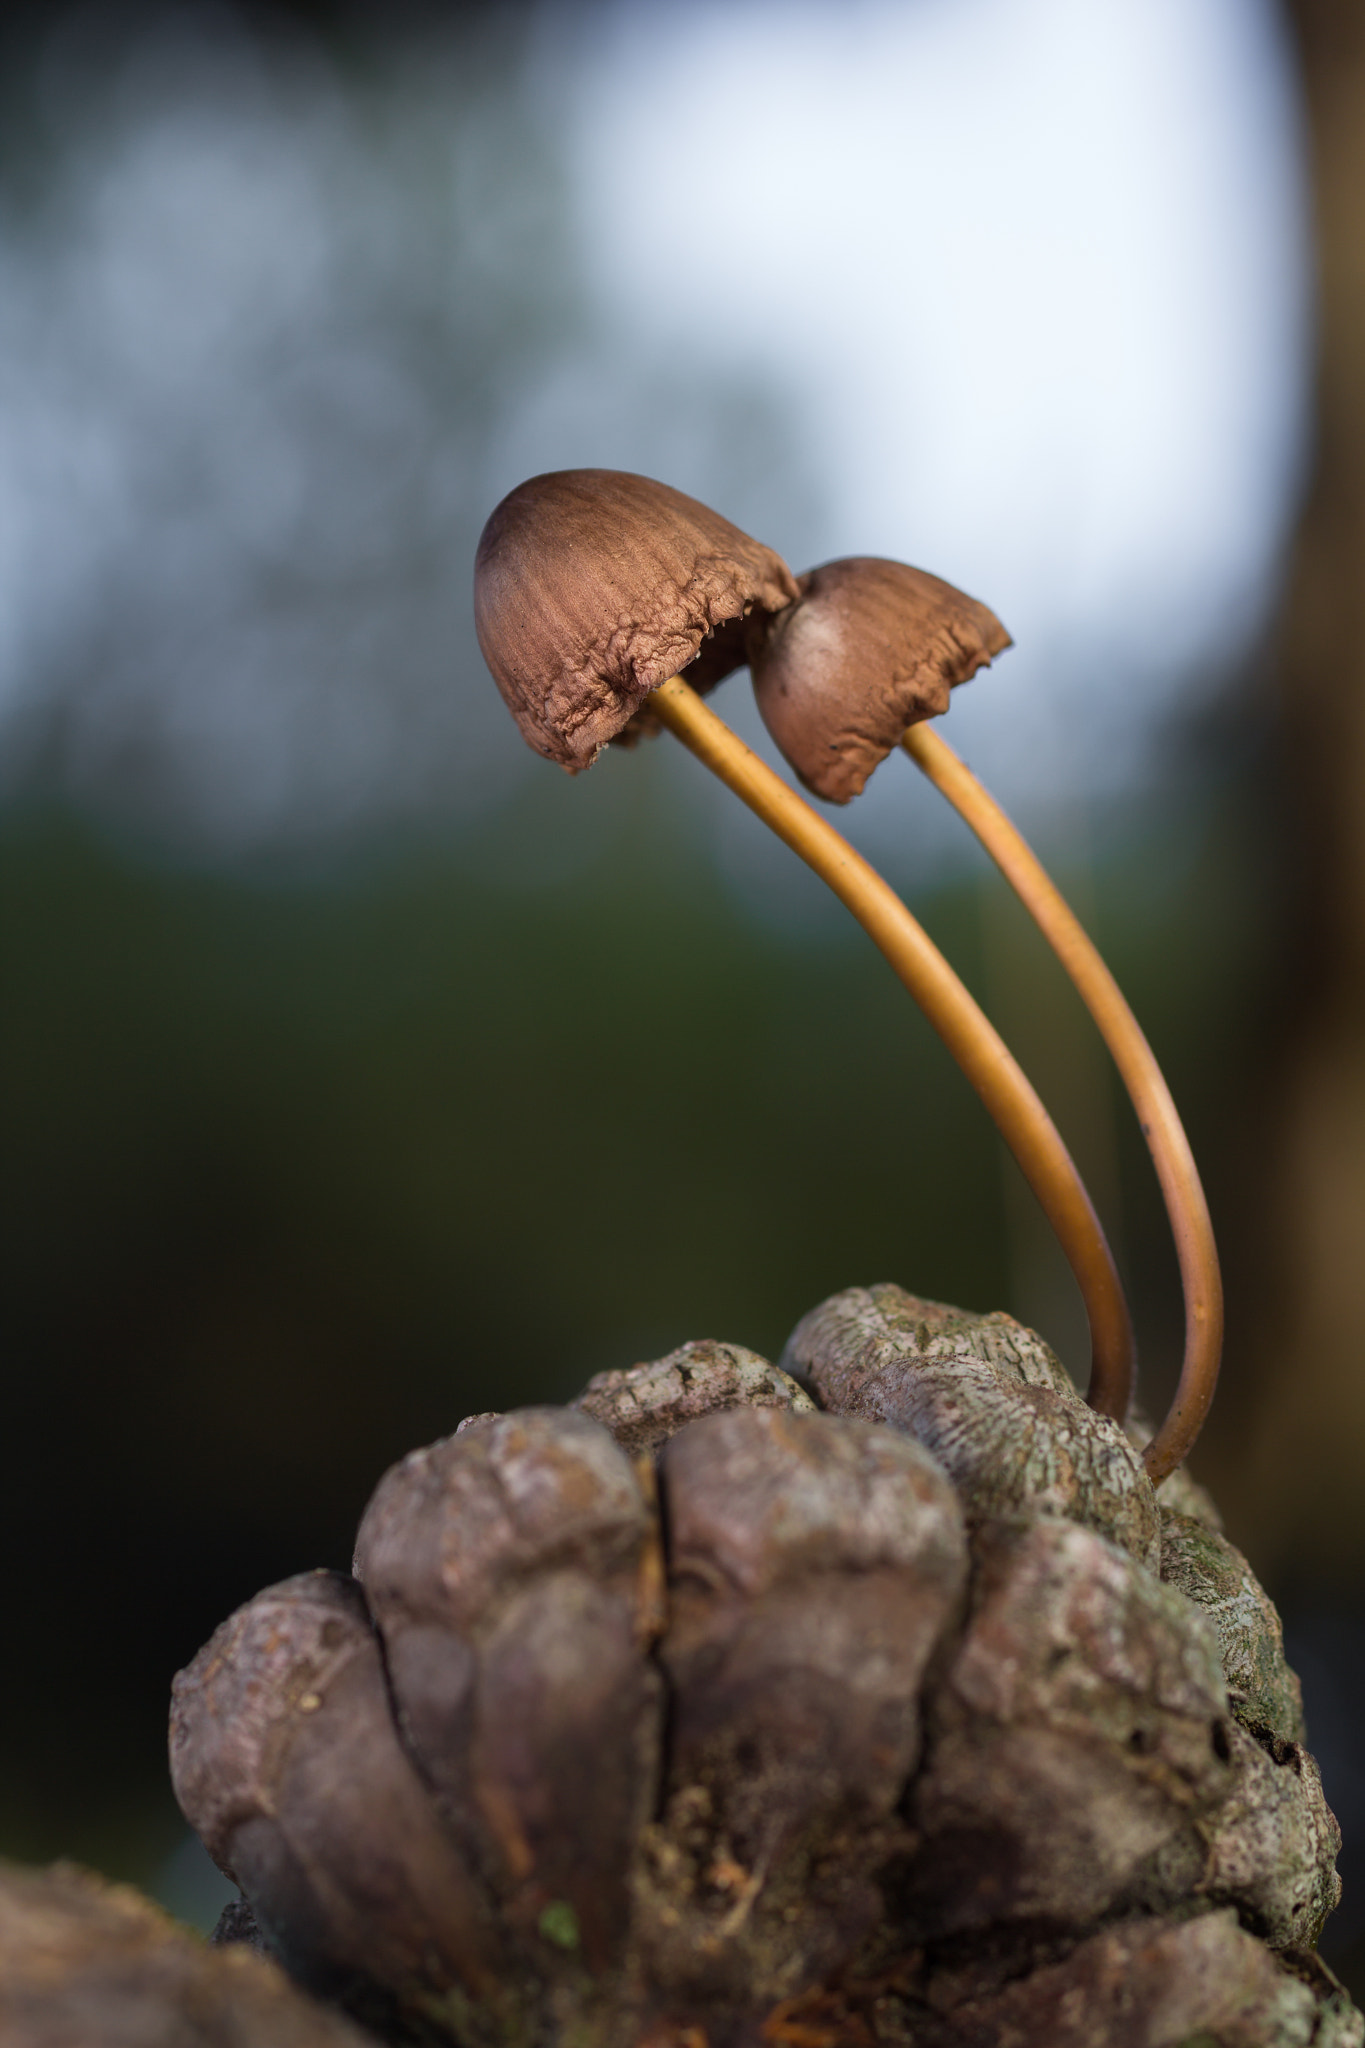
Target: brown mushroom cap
(593,586)
(872,647)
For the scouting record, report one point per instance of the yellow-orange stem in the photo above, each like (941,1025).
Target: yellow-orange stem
(977,1047)
(1143,1078)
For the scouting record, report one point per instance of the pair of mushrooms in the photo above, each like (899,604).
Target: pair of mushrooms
(607,604)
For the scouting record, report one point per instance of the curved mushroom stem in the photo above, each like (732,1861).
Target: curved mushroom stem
(977,1047)
(1143,1078)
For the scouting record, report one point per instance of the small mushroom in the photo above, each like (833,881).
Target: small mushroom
(592,586)
(873,647)
(592,593)
(870,651)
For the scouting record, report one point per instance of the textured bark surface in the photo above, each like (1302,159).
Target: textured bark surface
(1273,1844)
(644,1406)
(988,1398)
(695,1717)
(84,1964)
(1200,1563)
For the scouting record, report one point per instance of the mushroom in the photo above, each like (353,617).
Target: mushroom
(871,650)
(594,592)
(592,586)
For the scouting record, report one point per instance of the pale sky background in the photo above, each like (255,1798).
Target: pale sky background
(1012,289)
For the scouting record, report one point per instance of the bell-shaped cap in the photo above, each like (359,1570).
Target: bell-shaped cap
(593,586)
(872,648)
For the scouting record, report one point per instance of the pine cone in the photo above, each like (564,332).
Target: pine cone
(892,1708)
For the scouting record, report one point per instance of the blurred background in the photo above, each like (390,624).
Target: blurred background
(361,1071)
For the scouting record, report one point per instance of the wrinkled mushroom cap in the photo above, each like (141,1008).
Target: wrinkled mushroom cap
(872,647)
(592,587)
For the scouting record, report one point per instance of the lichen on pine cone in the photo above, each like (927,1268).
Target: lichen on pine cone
(876,1698)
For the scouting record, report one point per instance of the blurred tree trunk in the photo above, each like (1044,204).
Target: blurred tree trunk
(1297,1486)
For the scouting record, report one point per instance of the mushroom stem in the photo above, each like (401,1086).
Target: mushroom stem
(977,1047)
(1151,1098)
